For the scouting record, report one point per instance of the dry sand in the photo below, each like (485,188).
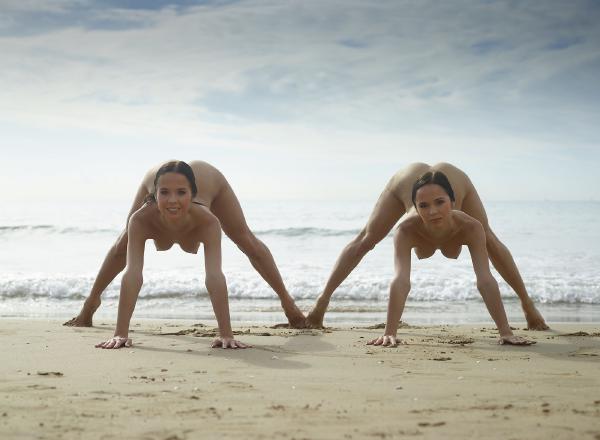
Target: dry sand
(449,382)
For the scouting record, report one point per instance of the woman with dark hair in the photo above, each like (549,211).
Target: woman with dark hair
(443,212)
(187,205)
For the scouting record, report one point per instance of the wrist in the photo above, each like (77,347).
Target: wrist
(121,333)
(389,332)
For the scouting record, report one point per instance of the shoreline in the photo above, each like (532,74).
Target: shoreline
(342,313)
(449,382)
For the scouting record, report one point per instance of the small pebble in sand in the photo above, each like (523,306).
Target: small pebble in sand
(460,377)
(175,388)
(399,388)
(274,357)
(163,369)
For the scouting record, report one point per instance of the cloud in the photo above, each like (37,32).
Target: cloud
(264,75)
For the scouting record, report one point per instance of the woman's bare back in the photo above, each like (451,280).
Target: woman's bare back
(400,185)
(209,181)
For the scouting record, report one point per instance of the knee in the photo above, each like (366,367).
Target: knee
(119,249)
(250,245)
(491,241)
(365,242)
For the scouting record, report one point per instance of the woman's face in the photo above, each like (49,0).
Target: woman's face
(433,204)
(173,196)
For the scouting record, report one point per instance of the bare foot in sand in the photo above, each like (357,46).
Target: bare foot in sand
(294,315)
(84,319)
(315,319)
(514,340)
(535,320)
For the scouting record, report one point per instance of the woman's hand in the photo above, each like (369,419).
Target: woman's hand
(514,340)
(116,342)
(387,341)
(226,342)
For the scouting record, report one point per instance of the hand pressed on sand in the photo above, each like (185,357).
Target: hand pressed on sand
(387,341)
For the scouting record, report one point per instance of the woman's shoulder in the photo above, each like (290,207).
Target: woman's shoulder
(464,219)
(468,226)
(203,217)
(410,225)
(144,214)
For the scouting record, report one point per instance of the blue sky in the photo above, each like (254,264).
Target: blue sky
(300,99)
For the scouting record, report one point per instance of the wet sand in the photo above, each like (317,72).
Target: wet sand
(449,382)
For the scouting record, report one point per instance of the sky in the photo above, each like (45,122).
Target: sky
(299,99)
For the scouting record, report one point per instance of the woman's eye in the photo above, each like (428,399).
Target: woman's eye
(181,193)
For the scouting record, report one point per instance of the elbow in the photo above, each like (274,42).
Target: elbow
(486,283)
(133,279)
(214,282)
(401,285)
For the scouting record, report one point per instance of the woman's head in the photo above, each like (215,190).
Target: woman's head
(174,189)
(179,167)
(432,177)
(432,196)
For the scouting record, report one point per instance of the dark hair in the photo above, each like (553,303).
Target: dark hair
(436,177)
(180,167)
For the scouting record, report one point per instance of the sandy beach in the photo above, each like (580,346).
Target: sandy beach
(448,382)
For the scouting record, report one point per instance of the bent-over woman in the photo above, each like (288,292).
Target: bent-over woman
(187,205)
(444,212)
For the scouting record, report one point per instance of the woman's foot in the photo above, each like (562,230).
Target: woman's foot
(294,315)
(535,320)
(514,340)
(84,319)
(315,317)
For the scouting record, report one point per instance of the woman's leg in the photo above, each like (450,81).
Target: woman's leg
(113,264)
(503,261)
(229,212)
(386,213)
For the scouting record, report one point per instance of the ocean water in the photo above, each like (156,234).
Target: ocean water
(50,254)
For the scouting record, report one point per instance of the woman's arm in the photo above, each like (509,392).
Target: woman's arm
(131,283)
(399,289)
(487,285)
(217,287)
